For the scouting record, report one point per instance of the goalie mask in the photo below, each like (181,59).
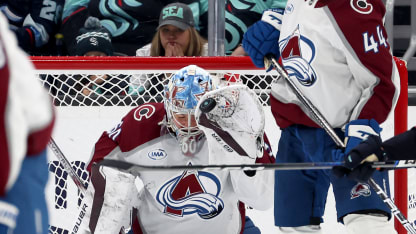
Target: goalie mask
(182,94)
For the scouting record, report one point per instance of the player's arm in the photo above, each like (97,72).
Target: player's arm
(107,146)
(128,133)
(112,194)
(40,24)
(26,117)
(402,146)
(399,147)
(26,109)
(368,54)
(262,37)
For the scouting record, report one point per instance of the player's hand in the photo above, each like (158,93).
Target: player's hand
(362,146)
(262,38)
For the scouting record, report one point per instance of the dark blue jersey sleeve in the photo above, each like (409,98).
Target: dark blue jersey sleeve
(402,146)
(34,22)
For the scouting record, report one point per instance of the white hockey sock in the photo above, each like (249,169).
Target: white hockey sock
(368,224)
(315,229)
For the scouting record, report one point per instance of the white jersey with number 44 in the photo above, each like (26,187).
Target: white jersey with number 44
(338,55)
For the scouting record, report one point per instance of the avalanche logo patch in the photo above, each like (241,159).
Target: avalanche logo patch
(193,192)
(297,53)
(144,111)
(157,154)
(361,6)
(360,189)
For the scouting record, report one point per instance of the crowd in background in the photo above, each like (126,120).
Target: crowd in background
(124,28)
(54,27)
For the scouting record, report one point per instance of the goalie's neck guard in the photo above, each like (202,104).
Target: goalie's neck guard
(189,144)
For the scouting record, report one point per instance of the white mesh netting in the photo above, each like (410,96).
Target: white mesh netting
(131,88)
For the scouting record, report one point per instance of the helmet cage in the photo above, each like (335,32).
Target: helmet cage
(181,130)
(182,94)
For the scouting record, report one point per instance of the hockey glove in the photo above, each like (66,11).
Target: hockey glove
(232,119)
(262,38)
(361,137)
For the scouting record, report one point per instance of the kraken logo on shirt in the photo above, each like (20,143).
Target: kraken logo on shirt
(297,53)
(119,21)
(192,192)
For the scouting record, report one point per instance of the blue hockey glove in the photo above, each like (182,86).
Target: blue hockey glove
(262,38)
(363,145)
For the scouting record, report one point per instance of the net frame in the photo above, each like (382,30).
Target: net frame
(221,65)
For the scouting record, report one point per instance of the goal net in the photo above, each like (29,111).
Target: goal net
(92,94)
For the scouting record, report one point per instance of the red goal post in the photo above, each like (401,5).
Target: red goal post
(128,81)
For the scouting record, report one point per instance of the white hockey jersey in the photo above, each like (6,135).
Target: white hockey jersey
(26,111)
(198,201)
(338,55)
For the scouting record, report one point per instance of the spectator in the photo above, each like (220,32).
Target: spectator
(91,40)
(95,40)
(175,36)
(131,25)
(35,23)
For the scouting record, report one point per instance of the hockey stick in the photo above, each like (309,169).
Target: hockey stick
(134,169)
(270,60)
(67,166)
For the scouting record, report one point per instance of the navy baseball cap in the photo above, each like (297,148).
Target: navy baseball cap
(177,14)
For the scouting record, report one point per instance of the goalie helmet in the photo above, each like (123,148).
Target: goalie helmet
(182,94)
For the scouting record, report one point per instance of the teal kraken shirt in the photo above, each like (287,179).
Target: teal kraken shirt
(239,15)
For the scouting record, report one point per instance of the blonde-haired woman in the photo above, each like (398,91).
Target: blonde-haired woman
(176,34)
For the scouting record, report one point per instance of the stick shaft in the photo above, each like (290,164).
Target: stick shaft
(126,166)
(67,165)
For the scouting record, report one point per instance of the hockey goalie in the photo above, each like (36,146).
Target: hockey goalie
(198,124)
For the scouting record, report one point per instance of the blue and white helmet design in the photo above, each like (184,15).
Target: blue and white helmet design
(182,94)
